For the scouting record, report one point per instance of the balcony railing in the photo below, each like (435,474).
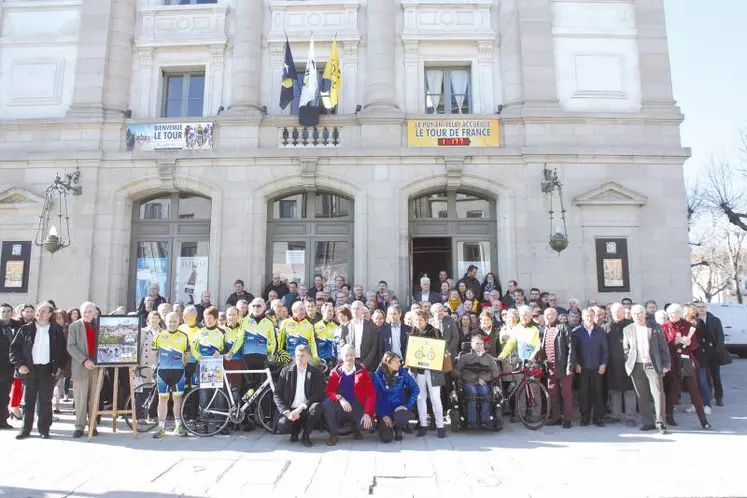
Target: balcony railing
(309,136)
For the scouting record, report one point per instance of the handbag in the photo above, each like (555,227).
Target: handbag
(724,357)
(687,368)
(447,366)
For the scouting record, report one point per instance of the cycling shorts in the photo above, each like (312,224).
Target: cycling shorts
(190,372)
(170,380)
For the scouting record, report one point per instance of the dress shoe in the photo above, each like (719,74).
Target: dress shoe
(554,422)
(77,434)
(357,435)
(23,435)
(44,435)
(332,440)
(705,425)
(661,428)
(645,428)
(441,433)
(294,438)
(5,425)
(306,441)
(719,402)
(599,423)
(95,432)
(16,413)
(670,421)
(566,424)
(397,435)
(422,432)
(584,423)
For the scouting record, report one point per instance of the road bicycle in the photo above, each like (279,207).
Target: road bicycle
(146,401)
(207,411)
(531,399)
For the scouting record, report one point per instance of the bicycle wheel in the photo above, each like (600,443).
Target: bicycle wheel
(146,407)
(531,399)
(205,411)
(266,412)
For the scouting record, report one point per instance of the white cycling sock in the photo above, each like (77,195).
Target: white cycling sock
(178,421)
(162,424)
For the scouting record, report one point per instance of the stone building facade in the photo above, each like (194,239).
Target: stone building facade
(580,87)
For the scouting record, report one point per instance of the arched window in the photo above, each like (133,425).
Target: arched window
(310,233)
(451,230)
(170,247)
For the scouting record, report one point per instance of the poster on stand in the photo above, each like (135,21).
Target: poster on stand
(191,279)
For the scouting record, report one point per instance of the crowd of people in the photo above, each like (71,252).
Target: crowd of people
(343,349)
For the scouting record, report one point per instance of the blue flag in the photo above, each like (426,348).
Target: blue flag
(289,78)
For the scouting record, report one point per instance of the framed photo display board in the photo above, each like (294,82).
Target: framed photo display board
(15,259)
(118,341)
(613,273)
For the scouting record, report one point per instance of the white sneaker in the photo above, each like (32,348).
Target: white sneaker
(707,410)
(691,409)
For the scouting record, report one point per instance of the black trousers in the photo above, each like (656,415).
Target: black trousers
(334,415)
(714,368)
(590,395)
(308,420)
(400,420)
(4,399)
(39,387)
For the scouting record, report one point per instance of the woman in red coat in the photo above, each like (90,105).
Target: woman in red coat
(683,343)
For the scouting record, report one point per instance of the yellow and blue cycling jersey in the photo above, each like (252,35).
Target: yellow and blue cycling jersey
(259,337)
(171,347)
(207,342)
(326,344)
(232,335)
(190,331)
(294,333)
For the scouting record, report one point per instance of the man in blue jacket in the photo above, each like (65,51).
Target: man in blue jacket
(592,353)
(396,394)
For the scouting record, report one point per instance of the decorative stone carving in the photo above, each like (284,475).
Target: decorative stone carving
(411,50)
(177,24)
(18,198)
(455,20)
(297,20)
(611,194)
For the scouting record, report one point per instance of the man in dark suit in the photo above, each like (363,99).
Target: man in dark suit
(592,354)
(647,360)
(299,392)
(6,369)
(714,359)
(154,292)
(39,353)
(393,334)
(425,293)
(363,336)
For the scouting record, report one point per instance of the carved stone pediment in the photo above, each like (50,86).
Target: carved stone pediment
(611,194)
(18,198)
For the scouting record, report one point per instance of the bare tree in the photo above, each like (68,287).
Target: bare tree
(736,252)
(723,194)
(710,269)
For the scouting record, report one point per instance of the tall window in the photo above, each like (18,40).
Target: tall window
(184,95)
(447,91)
(310,233)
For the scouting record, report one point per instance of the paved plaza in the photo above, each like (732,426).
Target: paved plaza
(613,461)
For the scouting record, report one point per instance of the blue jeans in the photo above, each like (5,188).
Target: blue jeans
(703,386)
(480,390)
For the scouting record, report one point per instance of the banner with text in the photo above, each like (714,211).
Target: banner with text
(453,133)
(160,136)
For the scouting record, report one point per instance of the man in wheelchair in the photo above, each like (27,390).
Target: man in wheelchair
(477,373)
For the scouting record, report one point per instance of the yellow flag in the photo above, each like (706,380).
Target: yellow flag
(331,79)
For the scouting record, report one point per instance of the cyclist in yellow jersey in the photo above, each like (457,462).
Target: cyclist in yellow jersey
(324,331)
(172,348)
(190,327)
(233,333)
(297,330)
(208,342)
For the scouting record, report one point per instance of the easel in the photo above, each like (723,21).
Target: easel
(114,412)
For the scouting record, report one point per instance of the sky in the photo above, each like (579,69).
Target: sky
(708,53)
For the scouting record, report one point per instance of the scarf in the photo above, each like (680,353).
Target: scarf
(454,304)
(390,379)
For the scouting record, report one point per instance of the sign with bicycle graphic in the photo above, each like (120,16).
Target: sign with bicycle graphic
(425,352)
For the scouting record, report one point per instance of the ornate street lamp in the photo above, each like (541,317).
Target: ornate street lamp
(551,184)
(59,190)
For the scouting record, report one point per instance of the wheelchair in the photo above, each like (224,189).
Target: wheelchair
(458,400)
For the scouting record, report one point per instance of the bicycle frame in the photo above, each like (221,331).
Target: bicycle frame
(229,392)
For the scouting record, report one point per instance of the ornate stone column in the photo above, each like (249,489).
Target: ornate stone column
(380,86)
(247,57)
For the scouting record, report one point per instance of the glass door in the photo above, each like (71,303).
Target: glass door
(331,259)
(289,261)
(191,271)
(152,263)
(476,253)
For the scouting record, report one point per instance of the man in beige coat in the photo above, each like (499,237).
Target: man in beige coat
(81,344)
